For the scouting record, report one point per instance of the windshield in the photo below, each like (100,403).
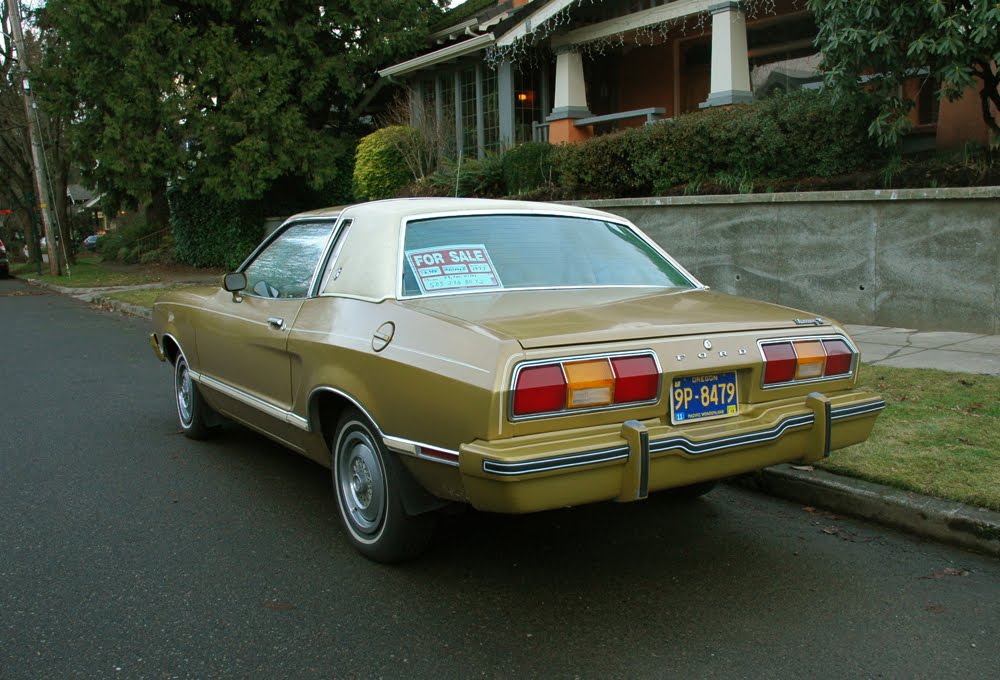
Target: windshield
(472,253)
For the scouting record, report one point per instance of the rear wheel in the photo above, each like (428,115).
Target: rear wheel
(368,481)
(192,411)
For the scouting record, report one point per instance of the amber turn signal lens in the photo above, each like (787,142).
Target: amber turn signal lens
(811,360)
(591,383)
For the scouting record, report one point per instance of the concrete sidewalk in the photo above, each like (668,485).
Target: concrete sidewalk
(945,350)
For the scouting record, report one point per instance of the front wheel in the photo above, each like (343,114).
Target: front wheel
(192,411)
(368,482)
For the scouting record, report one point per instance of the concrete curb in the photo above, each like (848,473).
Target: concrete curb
(87,295)
(118,306)
(945,521)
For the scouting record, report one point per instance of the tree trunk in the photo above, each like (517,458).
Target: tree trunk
(158,210)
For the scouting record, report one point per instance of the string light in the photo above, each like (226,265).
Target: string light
(534,45)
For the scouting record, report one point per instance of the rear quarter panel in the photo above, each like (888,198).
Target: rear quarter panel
(435,383)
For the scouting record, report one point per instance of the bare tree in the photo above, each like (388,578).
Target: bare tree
(16,165)
(436,135)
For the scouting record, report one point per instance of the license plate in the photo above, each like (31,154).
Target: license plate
(703,397)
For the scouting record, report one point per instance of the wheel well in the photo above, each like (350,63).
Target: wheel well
(170,349)
(326,410)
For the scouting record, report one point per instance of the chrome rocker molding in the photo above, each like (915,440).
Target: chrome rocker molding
(397,444)
(674,443)
(250,400)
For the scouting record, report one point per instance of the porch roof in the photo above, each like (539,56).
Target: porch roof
(648,17)
(444,54)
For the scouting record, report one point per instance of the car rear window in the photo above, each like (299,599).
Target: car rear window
(515,252)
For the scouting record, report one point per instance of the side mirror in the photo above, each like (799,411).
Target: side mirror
(234,282)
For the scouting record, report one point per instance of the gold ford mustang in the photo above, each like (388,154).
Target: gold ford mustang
(510,355)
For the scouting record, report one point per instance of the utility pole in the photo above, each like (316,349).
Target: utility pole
(37,156)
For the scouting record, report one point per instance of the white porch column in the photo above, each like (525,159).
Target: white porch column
(730,65)
(571,90)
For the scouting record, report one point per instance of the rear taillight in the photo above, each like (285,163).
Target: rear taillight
(540,389)
(568,385)
(779,363)
(636,379)
(787,361)
(839,357)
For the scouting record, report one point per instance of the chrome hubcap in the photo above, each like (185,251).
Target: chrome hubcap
(362,483)
(185,390)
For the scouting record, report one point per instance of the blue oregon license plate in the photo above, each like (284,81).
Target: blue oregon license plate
(701,397)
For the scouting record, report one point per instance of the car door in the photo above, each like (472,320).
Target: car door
(243,342)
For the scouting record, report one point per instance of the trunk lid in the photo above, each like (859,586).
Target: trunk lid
(551,318)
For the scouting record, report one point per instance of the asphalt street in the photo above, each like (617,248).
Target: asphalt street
(128,551)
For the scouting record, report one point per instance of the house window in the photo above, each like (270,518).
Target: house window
(491,110)
(427,97)
(461,109)
(527,103)
(446,123)
(470,141)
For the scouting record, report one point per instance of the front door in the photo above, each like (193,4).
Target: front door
(243,340)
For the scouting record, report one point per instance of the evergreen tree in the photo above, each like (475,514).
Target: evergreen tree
(230,96)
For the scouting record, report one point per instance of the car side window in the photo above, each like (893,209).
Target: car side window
(331,263)
(285,268)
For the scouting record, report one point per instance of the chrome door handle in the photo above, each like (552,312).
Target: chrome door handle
(275,322)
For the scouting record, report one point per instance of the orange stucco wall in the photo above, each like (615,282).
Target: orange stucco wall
(961,121)
(564,131)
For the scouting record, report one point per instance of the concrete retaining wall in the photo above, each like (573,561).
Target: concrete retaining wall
(913,258)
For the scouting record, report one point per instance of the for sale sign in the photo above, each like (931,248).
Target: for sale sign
(449,268)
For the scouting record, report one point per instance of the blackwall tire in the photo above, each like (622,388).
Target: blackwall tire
(192,412)
(367,480)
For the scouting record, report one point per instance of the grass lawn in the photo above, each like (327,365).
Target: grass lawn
(939,435)
(144,297)
(86,273)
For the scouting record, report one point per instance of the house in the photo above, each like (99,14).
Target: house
(502,73)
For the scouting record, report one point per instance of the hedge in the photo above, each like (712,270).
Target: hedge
(211,232)
(526,167)
(785,136)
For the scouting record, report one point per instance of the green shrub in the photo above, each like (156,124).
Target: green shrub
(380,171)
(124,243)
(211,232)
(527,167)
(785,136)
(599,166)
(478,177)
